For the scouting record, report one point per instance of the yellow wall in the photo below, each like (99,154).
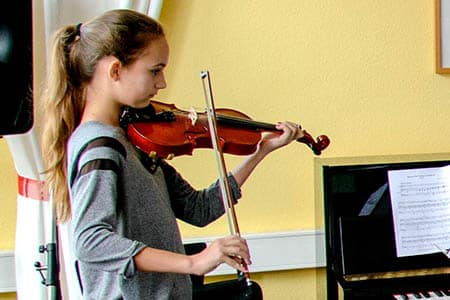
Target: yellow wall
(359,71)
(8,194)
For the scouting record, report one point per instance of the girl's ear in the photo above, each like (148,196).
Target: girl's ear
(114,69)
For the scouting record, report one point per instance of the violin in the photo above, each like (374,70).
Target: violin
(165,131)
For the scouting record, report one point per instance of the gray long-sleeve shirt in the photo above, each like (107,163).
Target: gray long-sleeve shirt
(118,208)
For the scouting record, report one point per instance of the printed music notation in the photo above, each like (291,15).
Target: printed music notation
(420,201)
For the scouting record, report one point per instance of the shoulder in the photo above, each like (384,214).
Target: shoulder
(99,134)
(94,147)
(91,130)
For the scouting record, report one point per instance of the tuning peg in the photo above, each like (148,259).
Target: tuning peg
(152,155)
(170,156)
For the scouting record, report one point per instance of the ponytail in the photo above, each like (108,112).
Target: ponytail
(63,104)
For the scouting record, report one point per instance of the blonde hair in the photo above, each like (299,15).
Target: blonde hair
(76,49)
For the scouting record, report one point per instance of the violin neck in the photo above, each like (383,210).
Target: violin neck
(245,123)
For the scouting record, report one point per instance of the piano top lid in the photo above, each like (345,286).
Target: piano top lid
(398,274)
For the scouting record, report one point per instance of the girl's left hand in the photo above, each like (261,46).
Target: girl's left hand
(273,141)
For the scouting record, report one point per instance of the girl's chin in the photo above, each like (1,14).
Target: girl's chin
(142,104)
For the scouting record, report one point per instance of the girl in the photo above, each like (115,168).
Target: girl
(123,217)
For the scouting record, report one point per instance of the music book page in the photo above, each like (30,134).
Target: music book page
(420,201)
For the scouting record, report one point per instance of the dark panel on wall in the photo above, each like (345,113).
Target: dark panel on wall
(16,67)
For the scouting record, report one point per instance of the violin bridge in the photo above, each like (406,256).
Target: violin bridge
(193,116)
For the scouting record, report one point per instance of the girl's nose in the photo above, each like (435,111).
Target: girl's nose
(161,83)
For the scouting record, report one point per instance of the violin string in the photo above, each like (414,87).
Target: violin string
(241,122)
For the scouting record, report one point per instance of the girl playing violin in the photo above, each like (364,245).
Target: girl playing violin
(123,218)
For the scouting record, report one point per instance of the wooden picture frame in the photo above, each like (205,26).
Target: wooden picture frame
(442,18)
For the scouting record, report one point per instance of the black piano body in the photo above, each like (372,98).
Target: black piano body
(360,241)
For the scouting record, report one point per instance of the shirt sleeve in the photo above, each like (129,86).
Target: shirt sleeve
(196,207)
(95,227)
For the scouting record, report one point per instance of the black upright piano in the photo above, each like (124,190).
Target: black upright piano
(360,241)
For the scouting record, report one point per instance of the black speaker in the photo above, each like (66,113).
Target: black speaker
(16,67)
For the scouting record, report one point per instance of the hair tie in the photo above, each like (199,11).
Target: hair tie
(78,29)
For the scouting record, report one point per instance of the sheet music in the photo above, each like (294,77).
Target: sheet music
(420,201)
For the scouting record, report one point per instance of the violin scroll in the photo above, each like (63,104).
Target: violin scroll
(318,145)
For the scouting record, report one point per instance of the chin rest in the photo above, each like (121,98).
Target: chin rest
(235,289)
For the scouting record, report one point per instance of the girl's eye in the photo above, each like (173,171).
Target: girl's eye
(155,72)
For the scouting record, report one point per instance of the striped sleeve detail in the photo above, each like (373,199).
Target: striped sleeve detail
(105,141)
(99,163)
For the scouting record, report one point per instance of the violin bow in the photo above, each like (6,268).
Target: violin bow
(223,178)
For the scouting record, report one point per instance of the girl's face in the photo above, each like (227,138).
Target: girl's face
(142,80)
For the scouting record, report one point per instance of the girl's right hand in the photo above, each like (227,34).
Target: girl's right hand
(232,250)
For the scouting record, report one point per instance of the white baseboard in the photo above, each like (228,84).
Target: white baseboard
(270,252)
(7,272)
(279,251)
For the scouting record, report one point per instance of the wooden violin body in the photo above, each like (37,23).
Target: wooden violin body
(166,131)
